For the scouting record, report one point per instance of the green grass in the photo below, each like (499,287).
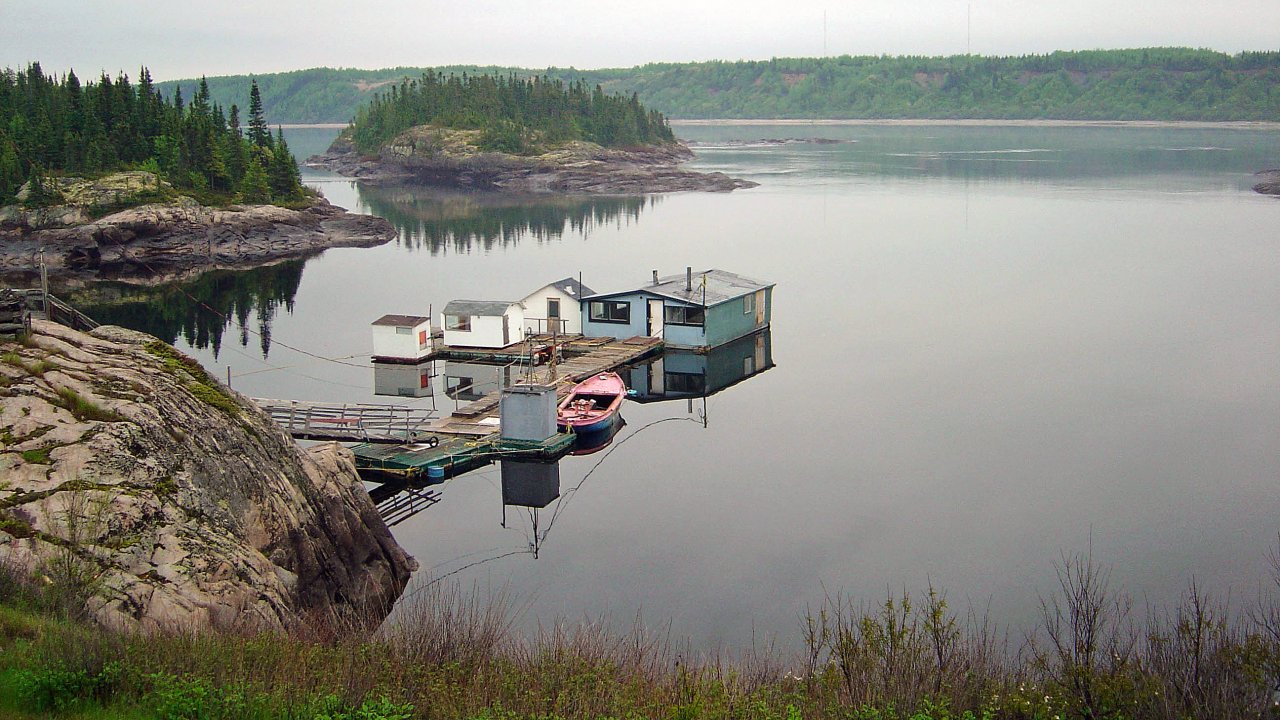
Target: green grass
(194,377)
(451,655)
(39,456)
(84,409)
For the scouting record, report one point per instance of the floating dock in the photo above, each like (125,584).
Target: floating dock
(403,445)
(434,462)
(584,357)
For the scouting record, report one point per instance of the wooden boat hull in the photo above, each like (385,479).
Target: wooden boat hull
(592,405)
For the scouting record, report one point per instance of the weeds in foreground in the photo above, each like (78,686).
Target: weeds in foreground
(452,654)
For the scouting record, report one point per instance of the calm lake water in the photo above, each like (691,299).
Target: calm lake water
(992,346)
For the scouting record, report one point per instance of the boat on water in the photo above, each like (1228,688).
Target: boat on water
(592,405)
(589,443)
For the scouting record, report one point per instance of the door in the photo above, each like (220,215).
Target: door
(553,316)
(759,308)
(657,380)
(506,331)
(655,318)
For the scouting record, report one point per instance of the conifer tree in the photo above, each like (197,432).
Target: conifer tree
(259,133)
(254,188)
(282,174)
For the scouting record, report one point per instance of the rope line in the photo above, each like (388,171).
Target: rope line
(247,329)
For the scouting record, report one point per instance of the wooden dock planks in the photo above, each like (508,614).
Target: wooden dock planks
(587,357)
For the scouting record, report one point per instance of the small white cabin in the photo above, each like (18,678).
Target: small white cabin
(483,323)
(401,338)
(556,306)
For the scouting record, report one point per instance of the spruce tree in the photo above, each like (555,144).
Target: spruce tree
(254,188)
(282,174)
(259,133)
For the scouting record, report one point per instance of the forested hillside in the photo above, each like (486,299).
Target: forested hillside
(1140,84)
(51,125)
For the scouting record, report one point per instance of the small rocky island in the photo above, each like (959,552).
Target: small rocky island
(453,158)
(516,135)
(159,499)
(84,236)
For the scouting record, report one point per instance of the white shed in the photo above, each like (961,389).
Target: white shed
(401,338)
(483,323)
(557,306)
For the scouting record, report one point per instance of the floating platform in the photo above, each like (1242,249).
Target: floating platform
(435,462)
(584,357)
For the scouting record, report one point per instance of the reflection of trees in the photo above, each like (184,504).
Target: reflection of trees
(198,310)
(441,222)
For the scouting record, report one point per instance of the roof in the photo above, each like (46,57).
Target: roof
(721,286)
(478,307)
(402,320)
(569,286)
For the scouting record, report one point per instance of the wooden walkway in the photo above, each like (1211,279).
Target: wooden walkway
(585,357)
(361,422)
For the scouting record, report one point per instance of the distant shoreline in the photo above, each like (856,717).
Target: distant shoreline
(1188,124)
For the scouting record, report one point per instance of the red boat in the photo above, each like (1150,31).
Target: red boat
(592,404)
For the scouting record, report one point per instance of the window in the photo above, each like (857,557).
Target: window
(748,304)
(681,315)
(610,311)
(457,322)
(404,330)
(685,383)
(553,308)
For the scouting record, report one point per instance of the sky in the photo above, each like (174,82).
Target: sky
(178,39)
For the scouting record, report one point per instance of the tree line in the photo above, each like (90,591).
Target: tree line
(51,125)
(1130,84)
(1149,84)
(514,114)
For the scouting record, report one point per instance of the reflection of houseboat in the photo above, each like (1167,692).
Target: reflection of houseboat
(678,374)
(694,310)
(402,380)
(471,381)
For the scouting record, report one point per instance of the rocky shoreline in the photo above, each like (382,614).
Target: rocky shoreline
(175,238)
(449,159)
(1269,183)
(163,500)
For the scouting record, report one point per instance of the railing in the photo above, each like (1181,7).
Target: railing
(348,421)
(544,326)
(37,303)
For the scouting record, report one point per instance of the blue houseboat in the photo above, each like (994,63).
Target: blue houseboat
(695,310)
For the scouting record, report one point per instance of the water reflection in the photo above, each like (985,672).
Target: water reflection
(1027,152)
(677,374)
(400,380)
(462,222)
(200,310)
(532,485)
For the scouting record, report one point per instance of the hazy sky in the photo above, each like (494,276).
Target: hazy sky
(180,39)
